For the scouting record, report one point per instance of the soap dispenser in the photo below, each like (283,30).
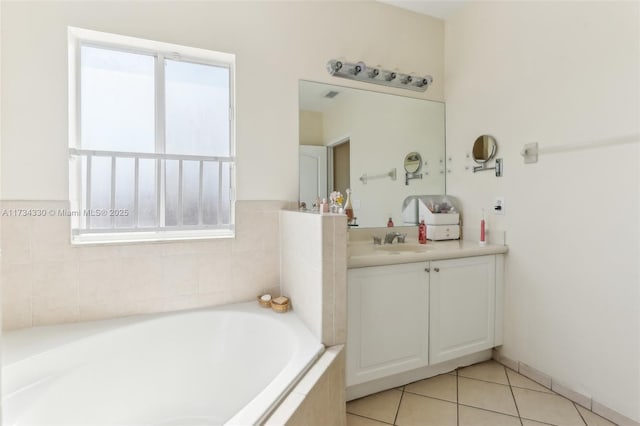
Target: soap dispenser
(390,223)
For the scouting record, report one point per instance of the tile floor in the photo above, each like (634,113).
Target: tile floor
(485,394)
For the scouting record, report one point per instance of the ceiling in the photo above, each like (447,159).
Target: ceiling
(439,9)
(312,96)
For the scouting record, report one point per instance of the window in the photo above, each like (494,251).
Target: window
(151,140)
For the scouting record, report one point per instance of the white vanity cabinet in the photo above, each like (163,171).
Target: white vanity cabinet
(403,317)
(388,320)
(462,307)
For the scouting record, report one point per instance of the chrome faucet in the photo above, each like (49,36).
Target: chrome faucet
(388,239)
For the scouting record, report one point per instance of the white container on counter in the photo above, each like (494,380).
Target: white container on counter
(443,232)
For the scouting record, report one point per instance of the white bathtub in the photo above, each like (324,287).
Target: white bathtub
(225,365)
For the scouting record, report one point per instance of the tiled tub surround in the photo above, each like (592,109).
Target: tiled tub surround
(318,399)
(45,280)
(482,394)
(314,272)
(49,282)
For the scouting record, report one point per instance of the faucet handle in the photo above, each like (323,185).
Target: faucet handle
(401,237)
(377,240)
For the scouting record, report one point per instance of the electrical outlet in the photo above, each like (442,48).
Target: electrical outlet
(498,206)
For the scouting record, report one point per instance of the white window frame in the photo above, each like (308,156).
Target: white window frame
(78,37)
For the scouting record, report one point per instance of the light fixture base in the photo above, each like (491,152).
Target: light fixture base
(360,72)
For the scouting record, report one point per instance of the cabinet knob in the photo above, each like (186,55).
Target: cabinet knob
(427,270)
(436,269)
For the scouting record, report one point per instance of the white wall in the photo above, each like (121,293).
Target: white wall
(557,73)
(381,131)
(310,128)
(276,44)
(44,279)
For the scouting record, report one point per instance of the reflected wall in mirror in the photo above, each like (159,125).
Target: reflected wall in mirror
(346,133)
(412,162)
(484,148)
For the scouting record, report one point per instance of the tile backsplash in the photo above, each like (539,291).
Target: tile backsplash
(46,280)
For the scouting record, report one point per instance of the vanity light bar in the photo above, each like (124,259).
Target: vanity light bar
(360,72)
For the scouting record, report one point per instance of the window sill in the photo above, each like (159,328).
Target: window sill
(149,237)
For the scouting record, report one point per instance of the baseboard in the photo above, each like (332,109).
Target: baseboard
(559,388)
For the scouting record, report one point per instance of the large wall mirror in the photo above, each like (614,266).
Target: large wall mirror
(351,138)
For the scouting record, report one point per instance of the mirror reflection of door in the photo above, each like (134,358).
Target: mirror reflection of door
(313,173)
(341,172)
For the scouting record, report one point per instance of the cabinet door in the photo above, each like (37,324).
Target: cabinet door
(462,307)
(388,321)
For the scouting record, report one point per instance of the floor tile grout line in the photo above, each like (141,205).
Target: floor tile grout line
(482,380)
(579,413)
(512,389)
(434,397)
(540,421)
(395,419)
(457,401)
(492,411)
(552,393)
(370,418)
(429,378)
(513,395)
(549,391)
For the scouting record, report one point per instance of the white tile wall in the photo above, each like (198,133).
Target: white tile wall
(314,271)
(301,265)
(45,280)
(319,397)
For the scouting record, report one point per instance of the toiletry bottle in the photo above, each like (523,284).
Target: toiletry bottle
(390,223)
(422,232)
(483,241)
(348,208)
(325,206)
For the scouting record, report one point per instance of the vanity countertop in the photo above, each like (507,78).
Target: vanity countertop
(365,253)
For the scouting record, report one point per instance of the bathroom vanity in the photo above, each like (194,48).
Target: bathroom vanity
(415,311)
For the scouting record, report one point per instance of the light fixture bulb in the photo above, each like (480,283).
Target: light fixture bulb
(333,66)
(389,76)
(359,67)
(422,81)
(405,79)
(373,73)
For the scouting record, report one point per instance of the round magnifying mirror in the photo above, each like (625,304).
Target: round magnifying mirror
(484,148)
(412,162)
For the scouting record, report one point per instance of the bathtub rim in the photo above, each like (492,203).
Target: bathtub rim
(25,344)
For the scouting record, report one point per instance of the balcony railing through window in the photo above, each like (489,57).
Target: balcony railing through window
(138,192)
